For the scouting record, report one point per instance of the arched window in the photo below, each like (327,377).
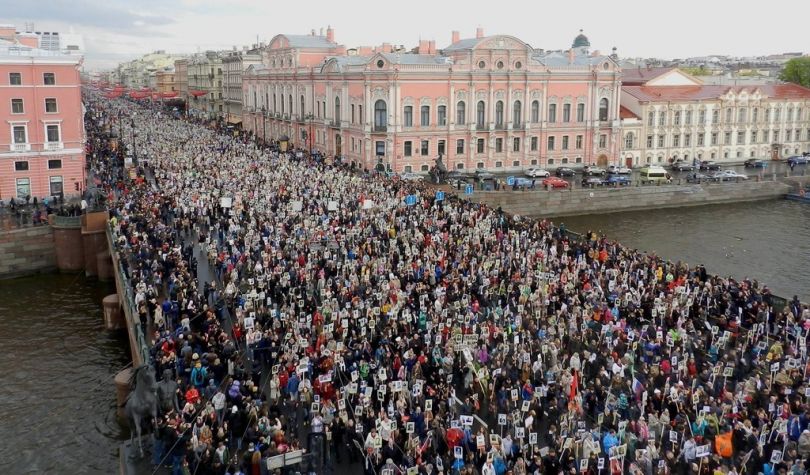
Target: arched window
(302,106)
(480,114)
(628,141)
(380,115)
(499,114)
(603,109)
(337,109)
(461,113)
(517,114)
(535,112)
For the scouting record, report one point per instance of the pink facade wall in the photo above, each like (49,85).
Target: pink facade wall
(66,155)
(433,85)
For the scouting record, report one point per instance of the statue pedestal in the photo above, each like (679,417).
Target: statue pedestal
(113,314)
(122,391)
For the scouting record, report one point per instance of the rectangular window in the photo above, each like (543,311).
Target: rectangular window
(460,146)
(479,145)
(702,117)
(787,135)
(17,106)
(775,136)
(564,142)
(662,118)
(498,145)
(53,133)
(442,148)
(687,140)
(677,119)
(580,112)
(754,136)
(516,144)
(651,119)
(566,112)
(552,112)
(425,147)
(441,111)
(688,118)
(56,185)
(408,148)
(551,143)
(379,147)
(50,105)
(54,164)
(676,140)
(407,116)
(740,138)
(48,79)
(534,144)
(19,134)
(23,188)
(714,138)
(729,116)
(727,138)
(701,139)
(425,116)
(579,142)
(360,113)
(353,121)
(20,166)
(15,79)
(660,141)
(602,140)
(649,141)
(715,116)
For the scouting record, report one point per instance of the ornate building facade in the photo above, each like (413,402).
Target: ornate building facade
(482,102)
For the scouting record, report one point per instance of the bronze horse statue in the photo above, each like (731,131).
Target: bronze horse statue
(141,402)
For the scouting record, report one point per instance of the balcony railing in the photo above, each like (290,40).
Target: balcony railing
(54,146)
(335,123)
(20,147)
(380,128)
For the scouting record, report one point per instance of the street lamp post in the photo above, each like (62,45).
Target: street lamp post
(264,125)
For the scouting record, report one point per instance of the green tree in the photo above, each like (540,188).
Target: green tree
(797,71)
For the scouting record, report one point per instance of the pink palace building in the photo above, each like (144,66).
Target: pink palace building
(41,123)
(483,102)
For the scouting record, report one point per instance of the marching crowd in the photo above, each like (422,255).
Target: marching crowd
(441,336)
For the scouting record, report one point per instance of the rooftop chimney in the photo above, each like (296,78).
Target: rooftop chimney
(479,32)
(456,37)
(424,47)
(432,47)
(330,34)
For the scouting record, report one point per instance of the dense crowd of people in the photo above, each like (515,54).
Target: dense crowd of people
(442,336)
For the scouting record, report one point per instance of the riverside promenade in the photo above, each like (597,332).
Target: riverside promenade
(373,324)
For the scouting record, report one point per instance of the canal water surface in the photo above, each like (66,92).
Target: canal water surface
(57,363)
(766,240)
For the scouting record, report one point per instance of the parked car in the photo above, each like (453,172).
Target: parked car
(535,172)
(525,182)
(617,180)
(683,166)
(484,175)
(618,170)
(755,163)
(709,165)
(564,171)
(797,160)
(590,182)
(408,176)
(589,170)
(555,182)
(698,178)
(728,175)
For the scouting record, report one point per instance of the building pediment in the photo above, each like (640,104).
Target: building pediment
(502,42)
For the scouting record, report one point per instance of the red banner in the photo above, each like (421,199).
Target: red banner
(168,95)
(197,93)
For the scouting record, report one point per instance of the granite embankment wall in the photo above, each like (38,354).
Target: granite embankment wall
(542,204)
(27,251)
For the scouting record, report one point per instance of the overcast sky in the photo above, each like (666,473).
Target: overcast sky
(118,30)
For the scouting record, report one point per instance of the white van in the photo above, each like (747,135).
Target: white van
(653,175)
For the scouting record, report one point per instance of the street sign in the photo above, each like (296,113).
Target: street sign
(510,180)
(468,190)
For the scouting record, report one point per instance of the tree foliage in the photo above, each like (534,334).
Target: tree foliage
(797,71)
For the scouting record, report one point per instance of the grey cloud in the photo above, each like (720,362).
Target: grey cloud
(119,16)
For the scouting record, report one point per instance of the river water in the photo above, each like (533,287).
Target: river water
(767,240)
(57,397)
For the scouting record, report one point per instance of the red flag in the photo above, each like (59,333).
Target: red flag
(574,386)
